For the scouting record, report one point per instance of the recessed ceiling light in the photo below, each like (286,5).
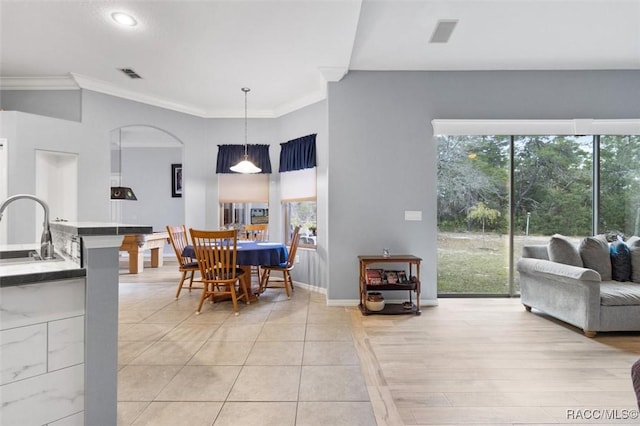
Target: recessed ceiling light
(124,19)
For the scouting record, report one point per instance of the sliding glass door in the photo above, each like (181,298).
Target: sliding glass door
(552,190)
(473,215)
(498,193)
(619,177)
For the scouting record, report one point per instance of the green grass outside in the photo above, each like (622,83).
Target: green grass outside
(472,263)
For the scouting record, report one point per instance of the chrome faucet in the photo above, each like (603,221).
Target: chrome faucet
(46,243)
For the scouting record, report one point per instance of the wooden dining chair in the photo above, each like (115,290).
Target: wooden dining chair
(285,268)
(256,232)
(216,253)
(179,239)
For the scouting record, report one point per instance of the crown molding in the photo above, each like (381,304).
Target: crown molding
(263,113)
(76,81)
(113,90)
(38,83)
(299,103)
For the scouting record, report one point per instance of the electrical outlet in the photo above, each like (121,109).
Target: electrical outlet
(297,258)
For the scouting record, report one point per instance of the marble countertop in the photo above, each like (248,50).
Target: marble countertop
(29,272)
(101,228)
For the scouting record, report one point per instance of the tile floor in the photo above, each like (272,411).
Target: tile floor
(280,362)
(299,362)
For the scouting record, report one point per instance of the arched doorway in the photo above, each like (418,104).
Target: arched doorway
(144,158)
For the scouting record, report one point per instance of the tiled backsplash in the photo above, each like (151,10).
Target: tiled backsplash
(68,244)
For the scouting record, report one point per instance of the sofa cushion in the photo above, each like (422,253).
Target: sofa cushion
(614,293)
(561,250)
(634,247)
(540,252)
(594,252)
(620,261)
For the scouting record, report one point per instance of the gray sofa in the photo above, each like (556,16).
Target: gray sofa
(577,294)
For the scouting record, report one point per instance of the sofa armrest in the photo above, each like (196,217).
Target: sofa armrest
(569,293)
(559,271)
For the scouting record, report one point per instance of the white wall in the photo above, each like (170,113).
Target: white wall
(57,183)
(3,185)
(27,133)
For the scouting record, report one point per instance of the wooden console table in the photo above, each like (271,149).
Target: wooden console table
(411,286)
(136,244)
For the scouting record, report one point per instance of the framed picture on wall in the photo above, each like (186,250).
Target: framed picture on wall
(176,180)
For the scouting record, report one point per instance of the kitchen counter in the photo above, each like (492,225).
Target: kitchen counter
(29,272)
(87,274)
(100,228)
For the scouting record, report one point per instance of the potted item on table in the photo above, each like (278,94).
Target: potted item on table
(375,301)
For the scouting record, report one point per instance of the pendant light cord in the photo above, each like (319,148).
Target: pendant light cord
(246,131)
(120,156)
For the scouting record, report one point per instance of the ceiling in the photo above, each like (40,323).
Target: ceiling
(195,56)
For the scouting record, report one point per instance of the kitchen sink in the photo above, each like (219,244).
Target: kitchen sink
(23,256)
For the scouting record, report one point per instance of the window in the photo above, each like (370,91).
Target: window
(298,195)
(498,193)
(244,198)
(619,185)
(303,214)
(298,188)
(235,215)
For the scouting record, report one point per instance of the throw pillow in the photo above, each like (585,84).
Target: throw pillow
(620,261)
(561,250)
(594,252)
(634,247)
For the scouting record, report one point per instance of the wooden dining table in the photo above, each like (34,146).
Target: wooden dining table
(253,253)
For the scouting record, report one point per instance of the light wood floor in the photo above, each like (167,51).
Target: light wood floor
(463,362)
(487,361)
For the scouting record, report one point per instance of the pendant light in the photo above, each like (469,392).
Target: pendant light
(121,192)
(245,166)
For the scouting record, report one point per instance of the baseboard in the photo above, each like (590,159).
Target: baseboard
(310,287)
(356,302)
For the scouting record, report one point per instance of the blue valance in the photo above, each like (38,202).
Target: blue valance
(298,154)
(230,155)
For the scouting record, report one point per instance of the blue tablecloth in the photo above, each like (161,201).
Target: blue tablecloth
(262,253)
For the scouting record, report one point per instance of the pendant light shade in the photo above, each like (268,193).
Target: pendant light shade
(245,166)
(121,192)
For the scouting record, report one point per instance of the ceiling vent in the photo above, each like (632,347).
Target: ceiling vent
(131,73)
(443,31)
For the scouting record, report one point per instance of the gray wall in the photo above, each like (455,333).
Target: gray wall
(103,113)
(313,265)
(382,154)
(64,104)
(231,131)
(376,153)
(148,172)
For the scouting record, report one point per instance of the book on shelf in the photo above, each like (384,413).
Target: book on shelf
(391,277)
(395,277)
(374,276)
